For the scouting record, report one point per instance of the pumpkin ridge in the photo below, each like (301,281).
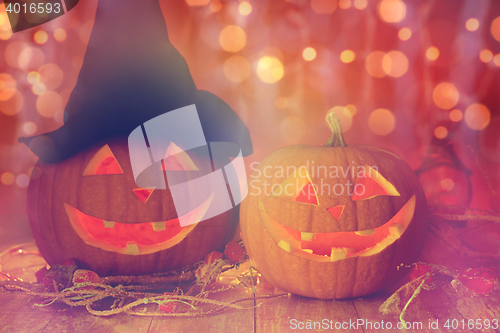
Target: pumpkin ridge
(32,200)
(54,209)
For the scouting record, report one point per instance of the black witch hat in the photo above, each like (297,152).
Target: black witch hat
(130,74)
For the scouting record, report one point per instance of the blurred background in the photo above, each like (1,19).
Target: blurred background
(417,77)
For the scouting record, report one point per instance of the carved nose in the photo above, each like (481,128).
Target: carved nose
(143,193)
(336,211)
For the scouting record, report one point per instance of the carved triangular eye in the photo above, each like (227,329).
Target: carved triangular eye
(336,211)
(372,184)
(177,159)
(297,187)
(103,163)
(143,193)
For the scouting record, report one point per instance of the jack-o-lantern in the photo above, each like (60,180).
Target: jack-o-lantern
(335,221)
(89,208)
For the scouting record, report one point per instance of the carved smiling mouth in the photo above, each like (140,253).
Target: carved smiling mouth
(133,238)
(334,246)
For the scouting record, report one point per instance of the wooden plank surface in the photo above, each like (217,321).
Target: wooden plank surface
(293,313)
(18,315)
(77,319)
(428,307)
(229,320)
(476,308)
(23,322)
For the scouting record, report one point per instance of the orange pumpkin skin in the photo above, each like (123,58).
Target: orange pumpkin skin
(345,278)
(111,198)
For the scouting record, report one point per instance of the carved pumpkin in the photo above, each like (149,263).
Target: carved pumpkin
(88,208)
(335,221)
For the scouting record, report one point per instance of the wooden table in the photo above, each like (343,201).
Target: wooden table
(288,313)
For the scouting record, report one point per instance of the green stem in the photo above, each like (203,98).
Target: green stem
(336,139)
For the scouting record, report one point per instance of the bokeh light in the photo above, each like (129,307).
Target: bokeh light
(49,103)
(51,75)
(22,180)
(472,24)
(7,178)
(7,82)
(486,55)
(30,128)
(245,8)
(194,3)
(496,60)
(40,37)
(13,51)
(456,115)
(445,95)
(38,88)
(347,56)
(360,4)
(232,38)
(440,132)
(395,63)
(391,11)
(237,69)
(477,116)
(31,58)
(373,64)
(215,6)
(60,35)
(495,28)
(381,122)
(270,69)
(33,77)
(352,109)
(309,54)
(324,6)
(404,34)
(447,184)
(7,94)
(344,4)
(432,53)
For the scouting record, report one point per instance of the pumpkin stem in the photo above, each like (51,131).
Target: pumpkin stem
(336,139)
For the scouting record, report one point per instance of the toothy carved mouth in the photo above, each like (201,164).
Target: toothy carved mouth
(133,238)
(334,246)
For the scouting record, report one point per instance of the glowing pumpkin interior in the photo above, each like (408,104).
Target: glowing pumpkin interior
(330,247)
(140,237)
